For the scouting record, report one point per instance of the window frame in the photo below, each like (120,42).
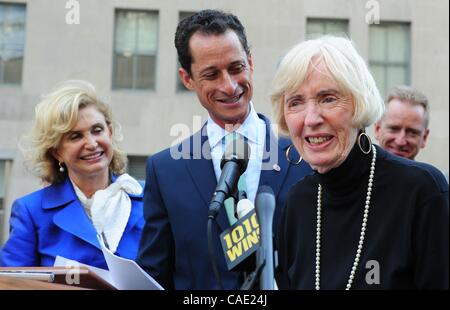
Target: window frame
(386,63)
(325,21)
(134,54)
(2,66)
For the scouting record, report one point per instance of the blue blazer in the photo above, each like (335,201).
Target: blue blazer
(174,248)
(52,221)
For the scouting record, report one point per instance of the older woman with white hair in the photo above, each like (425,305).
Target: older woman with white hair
(74,150)
(364,219)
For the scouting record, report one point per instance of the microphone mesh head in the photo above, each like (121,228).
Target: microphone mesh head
(237,150)
(243,207)
(264,189)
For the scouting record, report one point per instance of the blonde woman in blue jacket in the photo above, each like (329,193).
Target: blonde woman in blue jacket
(74,150)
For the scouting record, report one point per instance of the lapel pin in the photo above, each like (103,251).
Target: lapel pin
(276,167)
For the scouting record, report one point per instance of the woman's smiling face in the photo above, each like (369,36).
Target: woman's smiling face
(319,116)
(87,150)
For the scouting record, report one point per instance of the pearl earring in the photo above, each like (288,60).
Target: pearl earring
(61,168)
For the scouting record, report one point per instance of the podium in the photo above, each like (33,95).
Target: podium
(10,283)
(51,278)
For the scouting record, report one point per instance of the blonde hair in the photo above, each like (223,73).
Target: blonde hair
(410,96)
(345,65)
(55,115)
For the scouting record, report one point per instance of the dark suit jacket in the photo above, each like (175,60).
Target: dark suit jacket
(173,247)
(52,221)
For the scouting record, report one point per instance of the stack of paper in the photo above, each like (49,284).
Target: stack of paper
(123,274)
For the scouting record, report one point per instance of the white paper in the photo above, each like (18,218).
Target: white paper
(126,274)
(123,274)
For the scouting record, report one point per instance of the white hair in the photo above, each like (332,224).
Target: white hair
(345,65)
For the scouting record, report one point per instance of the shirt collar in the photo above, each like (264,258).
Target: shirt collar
(253,127)
(250,129)
(215,133)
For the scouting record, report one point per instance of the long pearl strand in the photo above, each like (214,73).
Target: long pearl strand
(363,227)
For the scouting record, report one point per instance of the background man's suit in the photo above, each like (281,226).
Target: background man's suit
(177,193)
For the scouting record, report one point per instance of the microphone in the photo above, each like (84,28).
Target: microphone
(243,207)
(265,208)
(233,164)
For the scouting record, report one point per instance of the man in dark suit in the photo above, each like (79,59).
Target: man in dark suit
(217,64)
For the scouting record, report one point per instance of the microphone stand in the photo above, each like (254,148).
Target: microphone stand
(264,271)
(212,258)
(250,279)
(253,278)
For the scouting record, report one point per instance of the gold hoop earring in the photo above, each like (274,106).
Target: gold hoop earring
(61,168)
(360,143)
(288,158)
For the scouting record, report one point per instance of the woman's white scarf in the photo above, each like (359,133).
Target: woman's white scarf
(110,208)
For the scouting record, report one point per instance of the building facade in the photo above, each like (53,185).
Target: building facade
(125,48)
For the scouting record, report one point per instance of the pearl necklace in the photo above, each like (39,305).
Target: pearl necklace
(363,227)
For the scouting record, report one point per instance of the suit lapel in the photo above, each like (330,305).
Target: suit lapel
(71,216)
(135,214)
(201,170)
(74,220)
(273,156)
(200,166)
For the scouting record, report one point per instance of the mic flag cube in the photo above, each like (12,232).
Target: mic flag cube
(240,240)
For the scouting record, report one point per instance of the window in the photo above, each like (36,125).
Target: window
(136,167)
(389,55)
(12,42)
(180,85)
(319,26)
(135,46)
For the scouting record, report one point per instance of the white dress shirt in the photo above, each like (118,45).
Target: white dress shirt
(254,130)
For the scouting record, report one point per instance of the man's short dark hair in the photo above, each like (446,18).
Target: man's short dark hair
(209,22)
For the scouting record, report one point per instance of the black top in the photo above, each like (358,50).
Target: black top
(406,244)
